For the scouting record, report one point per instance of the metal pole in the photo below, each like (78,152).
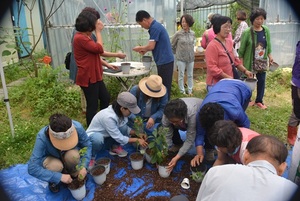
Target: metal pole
(6,100)
(181,7)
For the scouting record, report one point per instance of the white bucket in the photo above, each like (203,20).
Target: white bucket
(105,162)
(147,62)
(125,68)
(79,193)
(99,179)
(136,164)
(251,82)
(163,171)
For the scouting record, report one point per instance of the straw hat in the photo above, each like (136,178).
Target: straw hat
(64,140)
(152,86)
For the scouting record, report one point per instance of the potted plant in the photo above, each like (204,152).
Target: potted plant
(98,173)
(148,155)
(159,150)
(105,162)
(138,126)
(198,172)
(137,158)
(77,186)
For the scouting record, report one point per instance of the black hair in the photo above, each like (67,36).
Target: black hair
(175,109)
(219,22)
(214,18)
(269,146)
(241,15)
(86,21)
(209,114)
(117,108)
(60,122)
(188,18)
(92,10)
(256,13)
(225,133)
(141,14)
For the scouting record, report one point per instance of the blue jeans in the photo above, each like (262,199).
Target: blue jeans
(261,82)
(189,70)
(100,143)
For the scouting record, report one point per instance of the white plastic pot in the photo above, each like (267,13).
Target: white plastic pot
(101,178)
(125,68)
(136,164)
(106,165)
(163,171)
(79,193)
(251,82)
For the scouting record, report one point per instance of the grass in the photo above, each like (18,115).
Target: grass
(36,99)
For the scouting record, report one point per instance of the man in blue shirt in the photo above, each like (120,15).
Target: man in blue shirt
(160,45)
(228,100)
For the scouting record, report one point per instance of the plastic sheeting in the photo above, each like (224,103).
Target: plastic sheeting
(120,31)
(194,4)
(19,185)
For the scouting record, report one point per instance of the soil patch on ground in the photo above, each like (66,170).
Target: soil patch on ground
(124,183)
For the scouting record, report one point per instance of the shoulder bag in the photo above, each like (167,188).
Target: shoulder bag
(236,74)
(258,65)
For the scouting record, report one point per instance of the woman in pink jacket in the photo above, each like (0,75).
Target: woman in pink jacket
(217,60)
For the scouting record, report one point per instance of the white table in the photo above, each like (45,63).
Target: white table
(127,80)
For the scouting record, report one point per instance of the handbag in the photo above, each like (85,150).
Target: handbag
(258,65)
(68,60)
(236,74)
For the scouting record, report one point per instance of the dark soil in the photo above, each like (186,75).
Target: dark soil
(124,183)
(76,183)
(199,168)
(103,161)
(136,156)
(97,170)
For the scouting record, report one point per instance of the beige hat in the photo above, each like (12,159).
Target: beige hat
(127,100)
(152,86)
(64,140)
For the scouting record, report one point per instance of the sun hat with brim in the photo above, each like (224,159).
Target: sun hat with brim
(152,86)
(64,140)
(127,100)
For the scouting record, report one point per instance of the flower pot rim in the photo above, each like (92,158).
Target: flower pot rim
(97,167)
(136,153)
(103,158)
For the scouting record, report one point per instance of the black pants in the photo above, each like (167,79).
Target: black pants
(296,101)
(165,71)
(92,93)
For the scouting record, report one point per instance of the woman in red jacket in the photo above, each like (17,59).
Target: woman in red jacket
(87,56)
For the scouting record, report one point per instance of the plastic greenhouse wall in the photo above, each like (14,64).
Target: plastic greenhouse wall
(285,30)
(121,32)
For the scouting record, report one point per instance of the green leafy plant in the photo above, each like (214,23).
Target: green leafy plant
(197,176)
(138,126)
(198,29)
(158,145)
(82,160)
